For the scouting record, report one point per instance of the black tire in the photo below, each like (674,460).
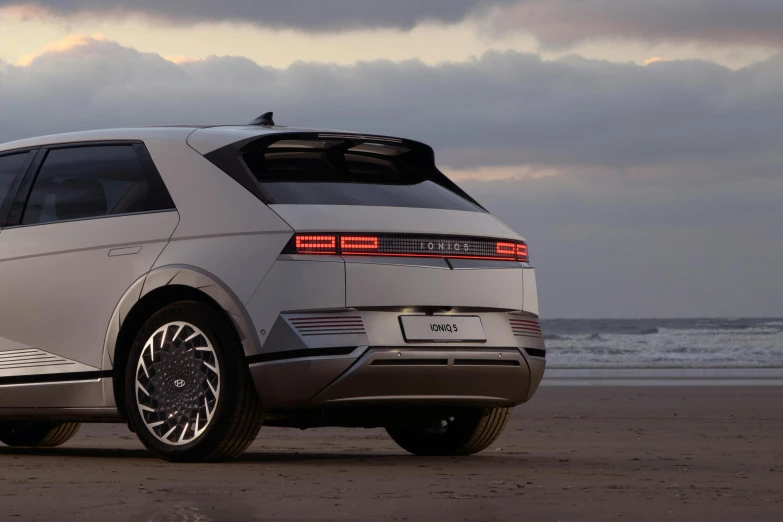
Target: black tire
(465,433)
(37,434)
(236,415)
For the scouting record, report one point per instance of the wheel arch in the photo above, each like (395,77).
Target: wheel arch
(149,294)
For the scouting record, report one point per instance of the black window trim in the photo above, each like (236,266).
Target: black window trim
(7,203)
(16,213)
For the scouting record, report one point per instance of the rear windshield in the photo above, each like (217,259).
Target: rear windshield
(352,172)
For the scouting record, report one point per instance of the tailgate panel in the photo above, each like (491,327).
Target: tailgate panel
(372,285)
(380,220)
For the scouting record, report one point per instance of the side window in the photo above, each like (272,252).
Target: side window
(94,181)
(10,168)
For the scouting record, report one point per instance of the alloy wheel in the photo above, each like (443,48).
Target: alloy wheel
(177,383)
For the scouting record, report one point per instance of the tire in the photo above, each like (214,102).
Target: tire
(189,393)
(37,434)
(466,433)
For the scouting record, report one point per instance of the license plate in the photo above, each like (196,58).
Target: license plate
(442,329)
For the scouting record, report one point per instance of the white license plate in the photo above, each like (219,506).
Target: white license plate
(442,329)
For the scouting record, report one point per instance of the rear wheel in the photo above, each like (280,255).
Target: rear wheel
(464,433)
(37,434)
(190,395)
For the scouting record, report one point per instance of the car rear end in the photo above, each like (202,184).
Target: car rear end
(396,291)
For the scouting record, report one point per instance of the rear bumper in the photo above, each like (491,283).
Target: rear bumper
(401,376)
(332,335)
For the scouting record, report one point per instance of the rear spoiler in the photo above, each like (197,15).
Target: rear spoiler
(230,157)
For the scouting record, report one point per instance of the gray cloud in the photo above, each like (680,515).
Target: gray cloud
(609,247)
(556,23)
(505,108)
(562,23)
(700,238)
(310,15)
(667,197)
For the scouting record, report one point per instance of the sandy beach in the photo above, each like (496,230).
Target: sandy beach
(573,453)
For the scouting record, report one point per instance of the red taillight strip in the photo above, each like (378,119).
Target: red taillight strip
(310,318)
(522,327)
(312,244)
(326,321)
(329,328)
(505,249)
(315,325)
(522,253)
(368,245)
(439,256)
(349,244)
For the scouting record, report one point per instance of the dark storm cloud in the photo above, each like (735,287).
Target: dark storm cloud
(562,23)
(667,186)
(505,108)
(556,23)
(308,15)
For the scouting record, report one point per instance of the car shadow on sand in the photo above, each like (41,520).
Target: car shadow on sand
(261,457)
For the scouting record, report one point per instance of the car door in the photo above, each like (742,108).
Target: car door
(89,220)
(13,166)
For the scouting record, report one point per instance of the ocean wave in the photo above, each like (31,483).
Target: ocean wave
(672,343)
(749,330)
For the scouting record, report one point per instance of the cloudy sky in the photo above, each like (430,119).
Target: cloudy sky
(635,143)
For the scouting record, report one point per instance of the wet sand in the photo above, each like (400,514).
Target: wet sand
(573,453)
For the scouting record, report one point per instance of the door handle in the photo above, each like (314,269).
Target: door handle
(125,251)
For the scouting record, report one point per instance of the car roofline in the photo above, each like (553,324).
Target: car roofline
(222,134)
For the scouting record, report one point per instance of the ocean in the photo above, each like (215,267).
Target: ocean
(664,343)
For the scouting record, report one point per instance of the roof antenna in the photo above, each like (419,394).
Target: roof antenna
(265,120)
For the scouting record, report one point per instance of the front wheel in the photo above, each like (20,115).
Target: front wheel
(190,397)
(37,434)
(464,433)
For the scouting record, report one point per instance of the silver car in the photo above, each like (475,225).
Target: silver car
(196,282)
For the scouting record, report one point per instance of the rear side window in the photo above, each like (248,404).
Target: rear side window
(94,181)
(351,172)
(10,168)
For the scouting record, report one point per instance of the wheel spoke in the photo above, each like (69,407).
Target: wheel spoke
(166,436)
(184,431)
(178,332)
(209,413)
(140,387)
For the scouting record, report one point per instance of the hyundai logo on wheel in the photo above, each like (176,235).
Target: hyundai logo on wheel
(179,383)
